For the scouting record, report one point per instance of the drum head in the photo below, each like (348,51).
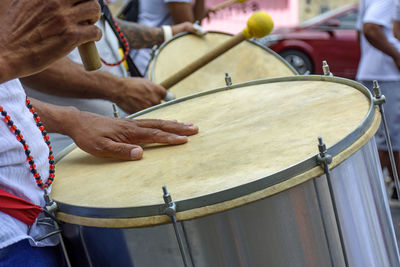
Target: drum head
(255,139)
(245,62)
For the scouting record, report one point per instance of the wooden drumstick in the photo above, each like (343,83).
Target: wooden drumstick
(225,4)
(90,56)
(258,25)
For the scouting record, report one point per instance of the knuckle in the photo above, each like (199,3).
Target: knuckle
(97,9)
(100,146)
(163,124)
(93,10)
(61,21)
(98,33)
(158,134)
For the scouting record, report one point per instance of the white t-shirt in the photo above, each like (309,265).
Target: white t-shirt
(154,13)
(397,15)
(374,64)
(108,50)
(15,176)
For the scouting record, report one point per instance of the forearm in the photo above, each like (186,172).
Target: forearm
(69,79)
(199,10)
(56,119)
(376,37)
(141,36)
(181,12)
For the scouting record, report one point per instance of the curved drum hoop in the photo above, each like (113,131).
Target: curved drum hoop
(247,61)
(248,188)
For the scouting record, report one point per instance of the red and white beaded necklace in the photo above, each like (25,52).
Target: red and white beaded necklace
(123,40)
(13,128)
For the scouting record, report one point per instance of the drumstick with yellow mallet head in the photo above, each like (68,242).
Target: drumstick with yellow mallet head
(259,25)
(225,4)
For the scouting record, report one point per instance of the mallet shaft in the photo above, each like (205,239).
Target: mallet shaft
(203,60)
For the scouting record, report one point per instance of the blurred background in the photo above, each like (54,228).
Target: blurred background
(284,12)
(306,32)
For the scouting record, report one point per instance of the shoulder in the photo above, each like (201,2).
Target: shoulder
(378,11)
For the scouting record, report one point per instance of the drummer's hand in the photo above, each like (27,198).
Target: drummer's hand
(184,27)
(119,138)
(135,94)
(35,33)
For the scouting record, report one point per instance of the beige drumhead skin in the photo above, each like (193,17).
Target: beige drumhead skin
(245,62)
(245,134)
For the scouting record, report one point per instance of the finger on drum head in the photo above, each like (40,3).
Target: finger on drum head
(158,136)
(170,126)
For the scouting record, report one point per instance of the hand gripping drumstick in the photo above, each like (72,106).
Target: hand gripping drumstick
(258,25)
(225,4)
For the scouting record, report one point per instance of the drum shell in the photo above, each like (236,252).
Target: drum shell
(293,228)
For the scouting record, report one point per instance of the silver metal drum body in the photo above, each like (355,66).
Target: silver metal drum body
(296,227)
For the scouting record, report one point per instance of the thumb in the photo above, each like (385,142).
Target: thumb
(123,151)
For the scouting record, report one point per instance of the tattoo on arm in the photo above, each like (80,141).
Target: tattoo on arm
(141,36)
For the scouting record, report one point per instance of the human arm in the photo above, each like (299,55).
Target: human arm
(396,29)
(142,36)
(183,11)
(376,37)
(69,79)
(110,137)
(34,33)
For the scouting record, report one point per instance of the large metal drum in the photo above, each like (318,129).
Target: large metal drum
(249,188)
(245,62)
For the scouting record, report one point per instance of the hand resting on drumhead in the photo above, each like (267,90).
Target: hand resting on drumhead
(111,137)
(119,138)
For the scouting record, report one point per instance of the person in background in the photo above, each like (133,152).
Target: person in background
(380,60)
(161,13)
(66,83)
(33,34)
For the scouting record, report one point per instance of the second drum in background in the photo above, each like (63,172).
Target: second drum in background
(244,62)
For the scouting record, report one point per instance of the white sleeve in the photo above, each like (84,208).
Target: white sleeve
(377,13)
(359,23)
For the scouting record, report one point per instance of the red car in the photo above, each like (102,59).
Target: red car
(331,36)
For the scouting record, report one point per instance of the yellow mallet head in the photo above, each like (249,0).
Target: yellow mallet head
(258,25)
(241,1)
